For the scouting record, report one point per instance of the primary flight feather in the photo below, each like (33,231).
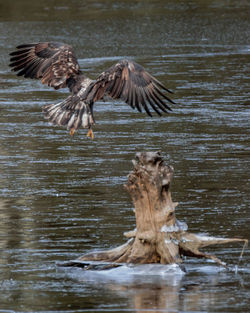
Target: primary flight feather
(56,65)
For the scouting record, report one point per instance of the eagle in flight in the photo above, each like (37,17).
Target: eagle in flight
(56,65)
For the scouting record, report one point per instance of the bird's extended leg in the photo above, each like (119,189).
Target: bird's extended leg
(90,133)
(72,131)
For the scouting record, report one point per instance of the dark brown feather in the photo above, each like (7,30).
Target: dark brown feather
(52,62)
(129,82)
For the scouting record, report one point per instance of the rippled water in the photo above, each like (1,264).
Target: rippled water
(63,196)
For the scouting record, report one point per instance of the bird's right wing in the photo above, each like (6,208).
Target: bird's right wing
(52,62)
(128,81)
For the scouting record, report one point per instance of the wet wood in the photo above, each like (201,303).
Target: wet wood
(159,237)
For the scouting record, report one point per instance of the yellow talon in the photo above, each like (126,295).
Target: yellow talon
(72,131)
(90,133)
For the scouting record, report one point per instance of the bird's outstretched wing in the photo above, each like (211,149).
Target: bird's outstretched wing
(129,82)
(52,62)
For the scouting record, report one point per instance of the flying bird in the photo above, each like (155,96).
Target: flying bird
(56,65)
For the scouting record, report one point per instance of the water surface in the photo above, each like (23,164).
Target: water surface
(63,196)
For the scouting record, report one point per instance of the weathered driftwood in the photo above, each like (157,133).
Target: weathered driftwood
(159,237)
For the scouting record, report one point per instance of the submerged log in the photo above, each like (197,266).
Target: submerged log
(159,237)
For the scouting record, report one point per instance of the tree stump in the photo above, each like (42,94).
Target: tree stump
(159,237)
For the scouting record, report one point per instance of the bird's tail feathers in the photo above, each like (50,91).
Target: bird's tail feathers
(72,113)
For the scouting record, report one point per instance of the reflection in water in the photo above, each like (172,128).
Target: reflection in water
(62,196)
(155,287)
(147,287)
(153,298)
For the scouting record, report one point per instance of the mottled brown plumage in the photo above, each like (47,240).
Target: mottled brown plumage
(55,64)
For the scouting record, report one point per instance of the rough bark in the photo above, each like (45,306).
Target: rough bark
(159,237)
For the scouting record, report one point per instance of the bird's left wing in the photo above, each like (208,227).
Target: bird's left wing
(128,81)
(52,62)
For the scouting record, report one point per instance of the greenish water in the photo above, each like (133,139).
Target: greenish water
(61,197)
